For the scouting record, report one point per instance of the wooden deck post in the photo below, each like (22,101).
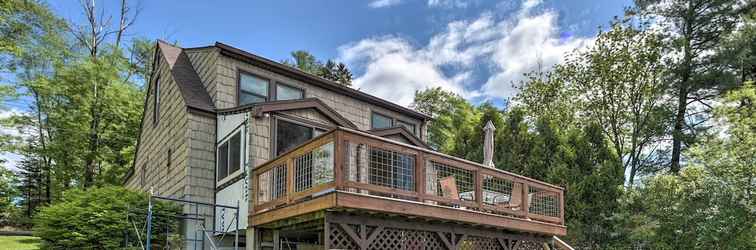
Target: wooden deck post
(479,189)
(561,206)
(289,179)
(340,158)
(525,199)
(420,175)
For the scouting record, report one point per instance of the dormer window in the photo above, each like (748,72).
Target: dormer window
(286,92)
(252,89)
(380,121)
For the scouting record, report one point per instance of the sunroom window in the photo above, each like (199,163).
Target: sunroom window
(229,156)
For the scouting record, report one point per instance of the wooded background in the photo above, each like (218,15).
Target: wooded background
(651,129)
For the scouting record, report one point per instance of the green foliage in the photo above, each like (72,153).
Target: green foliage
(101,218)
(577,158)
(616,83)
(304,61)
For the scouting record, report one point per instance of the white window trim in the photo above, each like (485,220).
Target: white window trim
(242,155)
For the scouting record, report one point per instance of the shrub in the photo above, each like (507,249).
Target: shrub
(103,218)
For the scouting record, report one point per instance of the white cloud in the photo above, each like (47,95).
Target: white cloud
(383,3)
(449,3)
(394,68)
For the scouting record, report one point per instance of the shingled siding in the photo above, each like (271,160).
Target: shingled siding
(357,111)
(151,168)
(204,61)
(201,174)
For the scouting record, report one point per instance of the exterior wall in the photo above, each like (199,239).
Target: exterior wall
(190,137)
(151,163)
(357,111)
(200,184)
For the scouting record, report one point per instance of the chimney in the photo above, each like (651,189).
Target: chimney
(488,144)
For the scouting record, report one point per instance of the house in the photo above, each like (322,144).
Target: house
(316,165)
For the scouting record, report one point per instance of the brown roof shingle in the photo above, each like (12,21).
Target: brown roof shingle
(189,83)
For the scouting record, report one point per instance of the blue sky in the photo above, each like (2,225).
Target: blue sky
(475,48)
(394,47)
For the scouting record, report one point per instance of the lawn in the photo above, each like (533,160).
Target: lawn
(19,242)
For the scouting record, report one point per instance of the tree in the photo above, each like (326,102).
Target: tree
(621,86)
(304,61)
(103,218)
(709,205)
(693,28)
(453,122)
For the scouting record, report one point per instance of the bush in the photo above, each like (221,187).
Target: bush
(103,218)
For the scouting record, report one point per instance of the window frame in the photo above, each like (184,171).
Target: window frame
(374,113)
(220,181)
(291,119)
(286,85)
(239,73)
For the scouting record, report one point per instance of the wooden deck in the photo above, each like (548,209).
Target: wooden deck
(353,170)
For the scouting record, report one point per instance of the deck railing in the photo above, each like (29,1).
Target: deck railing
(354,161)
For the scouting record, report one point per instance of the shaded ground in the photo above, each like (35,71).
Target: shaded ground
(19,242)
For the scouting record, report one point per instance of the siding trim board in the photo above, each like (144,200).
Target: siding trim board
(258,109)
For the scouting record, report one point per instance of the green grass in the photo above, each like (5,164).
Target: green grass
(19,242)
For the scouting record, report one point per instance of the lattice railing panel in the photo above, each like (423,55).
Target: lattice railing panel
(272,184)
(391,169)
(498,191)
(314,168)
(543,202)
(439,174)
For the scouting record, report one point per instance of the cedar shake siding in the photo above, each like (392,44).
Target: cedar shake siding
(185,126)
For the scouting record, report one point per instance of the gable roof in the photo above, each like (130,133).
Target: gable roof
(315,80)
(258,109)
(188,81)
(401,131)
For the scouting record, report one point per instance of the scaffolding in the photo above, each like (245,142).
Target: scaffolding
(200,234)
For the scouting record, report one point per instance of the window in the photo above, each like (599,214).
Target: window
(229,156)
(285,92)
(252,89)
(407,125)
(381,121)
(156,102)
(290,135)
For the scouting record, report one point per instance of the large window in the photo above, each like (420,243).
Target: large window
(252,89)
(290,135)
(380,121)
(286,92)
(230,156)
